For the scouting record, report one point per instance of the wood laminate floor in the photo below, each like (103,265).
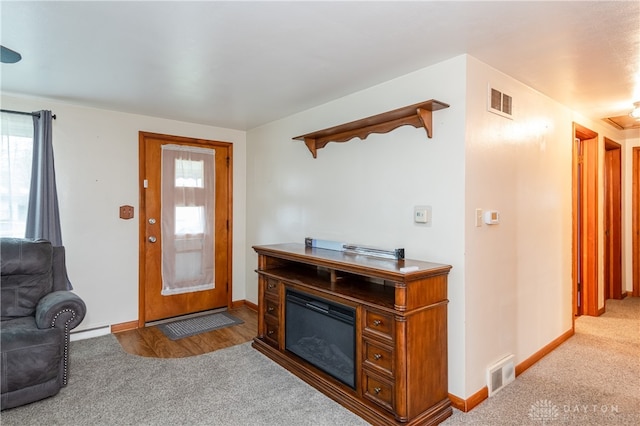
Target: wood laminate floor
(151,342)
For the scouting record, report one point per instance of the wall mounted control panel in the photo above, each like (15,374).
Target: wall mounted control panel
(422,214)
(491,217)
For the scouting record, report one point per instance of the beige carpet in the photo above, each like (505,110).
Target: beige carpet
(591,379)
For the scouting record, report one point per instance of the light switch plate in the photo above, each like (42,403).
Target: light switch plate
(478,217)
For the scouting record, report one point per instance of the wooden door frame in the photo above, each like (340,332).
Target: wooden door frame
(142,216)
(635,220)
(589,255)
(612,177)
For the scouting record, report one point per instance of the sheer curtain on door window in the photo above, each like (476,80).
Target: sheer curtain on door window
(188,213)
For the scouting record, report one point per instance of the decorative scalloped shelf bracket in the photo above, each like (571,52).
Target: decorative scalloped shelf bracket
(417,115)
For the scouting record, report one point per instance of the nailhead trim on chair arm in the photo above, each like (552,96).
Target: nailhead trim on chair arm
(66,339)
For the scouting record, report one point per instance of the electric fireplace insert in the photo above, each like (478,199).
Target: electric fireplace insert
(321,332)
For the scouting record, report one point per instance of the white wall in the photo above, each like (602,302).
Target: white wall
(510,287)
(364,191)
(96,155)
(518,272)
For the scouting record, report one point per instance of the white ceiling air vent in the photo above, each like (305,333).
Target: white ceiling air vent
(500,374)
(500,103)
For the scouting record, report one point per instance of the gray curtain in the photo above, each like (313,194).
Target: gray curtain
(43,216)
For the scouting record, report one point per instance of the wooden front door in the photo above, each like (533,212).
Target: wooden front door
(185,226)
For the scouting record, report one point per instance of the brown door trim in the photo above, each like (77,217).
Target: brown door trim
(142,152)
(585,221)
(635,215)
(612,220)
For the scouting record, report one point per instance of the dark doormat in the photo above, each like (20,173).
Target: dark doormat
(189,327)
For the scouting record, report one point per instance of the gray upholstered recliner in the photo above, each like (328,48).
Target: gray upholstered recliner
(37,315)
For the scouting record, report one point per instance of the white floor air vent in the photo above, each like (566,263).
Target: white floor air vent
(500,374)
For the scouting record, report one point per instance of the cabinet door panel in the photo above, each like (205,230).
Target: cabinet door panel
(272,308)
(379,323)
(378,391)
(271,334)
(272,286)
(378,356)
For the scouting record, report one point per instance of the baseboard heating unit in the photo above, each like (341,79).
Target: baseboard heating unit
(87,334)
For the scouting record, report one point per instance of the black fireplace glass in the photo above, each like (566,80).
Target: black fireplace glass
(321,332)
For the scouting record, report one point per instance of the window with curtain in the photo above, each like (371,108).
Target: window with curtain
(16,154)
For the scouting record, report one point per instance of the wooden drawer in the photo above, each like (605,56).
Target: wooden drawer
(378,391)
(272,308)
(271,332)
(272,287)
(378,323)
(378,357)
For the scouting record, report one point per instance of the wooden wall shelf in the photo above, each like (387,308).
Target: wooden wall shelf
(416,115)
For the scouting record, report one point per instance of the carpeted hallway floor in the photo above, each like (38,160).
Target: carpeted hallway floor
(591,379)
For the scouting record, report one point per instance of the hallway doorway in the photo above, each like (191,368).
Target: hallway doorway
(585,221)
(612,220)
(635,219)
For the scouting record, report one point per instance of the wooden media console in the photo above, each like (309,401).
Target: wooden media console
(400,332)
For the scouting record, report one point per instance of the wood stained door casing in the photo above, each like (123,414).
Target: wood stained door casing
(635,219)
(612,220)
(585,221)
(151,305)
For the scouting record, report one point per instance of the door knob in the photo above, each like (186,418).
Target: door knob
(152,239)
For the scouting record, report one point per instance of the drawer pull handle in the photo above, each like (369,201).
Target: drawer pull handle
(377,390)
(377,356)
(271,286)
(270,332)
(270,309)
(377,322)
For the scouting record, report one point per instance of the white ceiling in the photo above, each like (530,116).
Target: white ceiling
(242,64)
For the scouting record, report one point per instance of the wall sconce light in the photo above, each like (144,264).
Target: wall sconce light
(635,112)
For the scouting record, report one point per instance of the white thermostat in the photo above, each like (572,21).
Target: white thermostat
(422,214)
(491,217)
